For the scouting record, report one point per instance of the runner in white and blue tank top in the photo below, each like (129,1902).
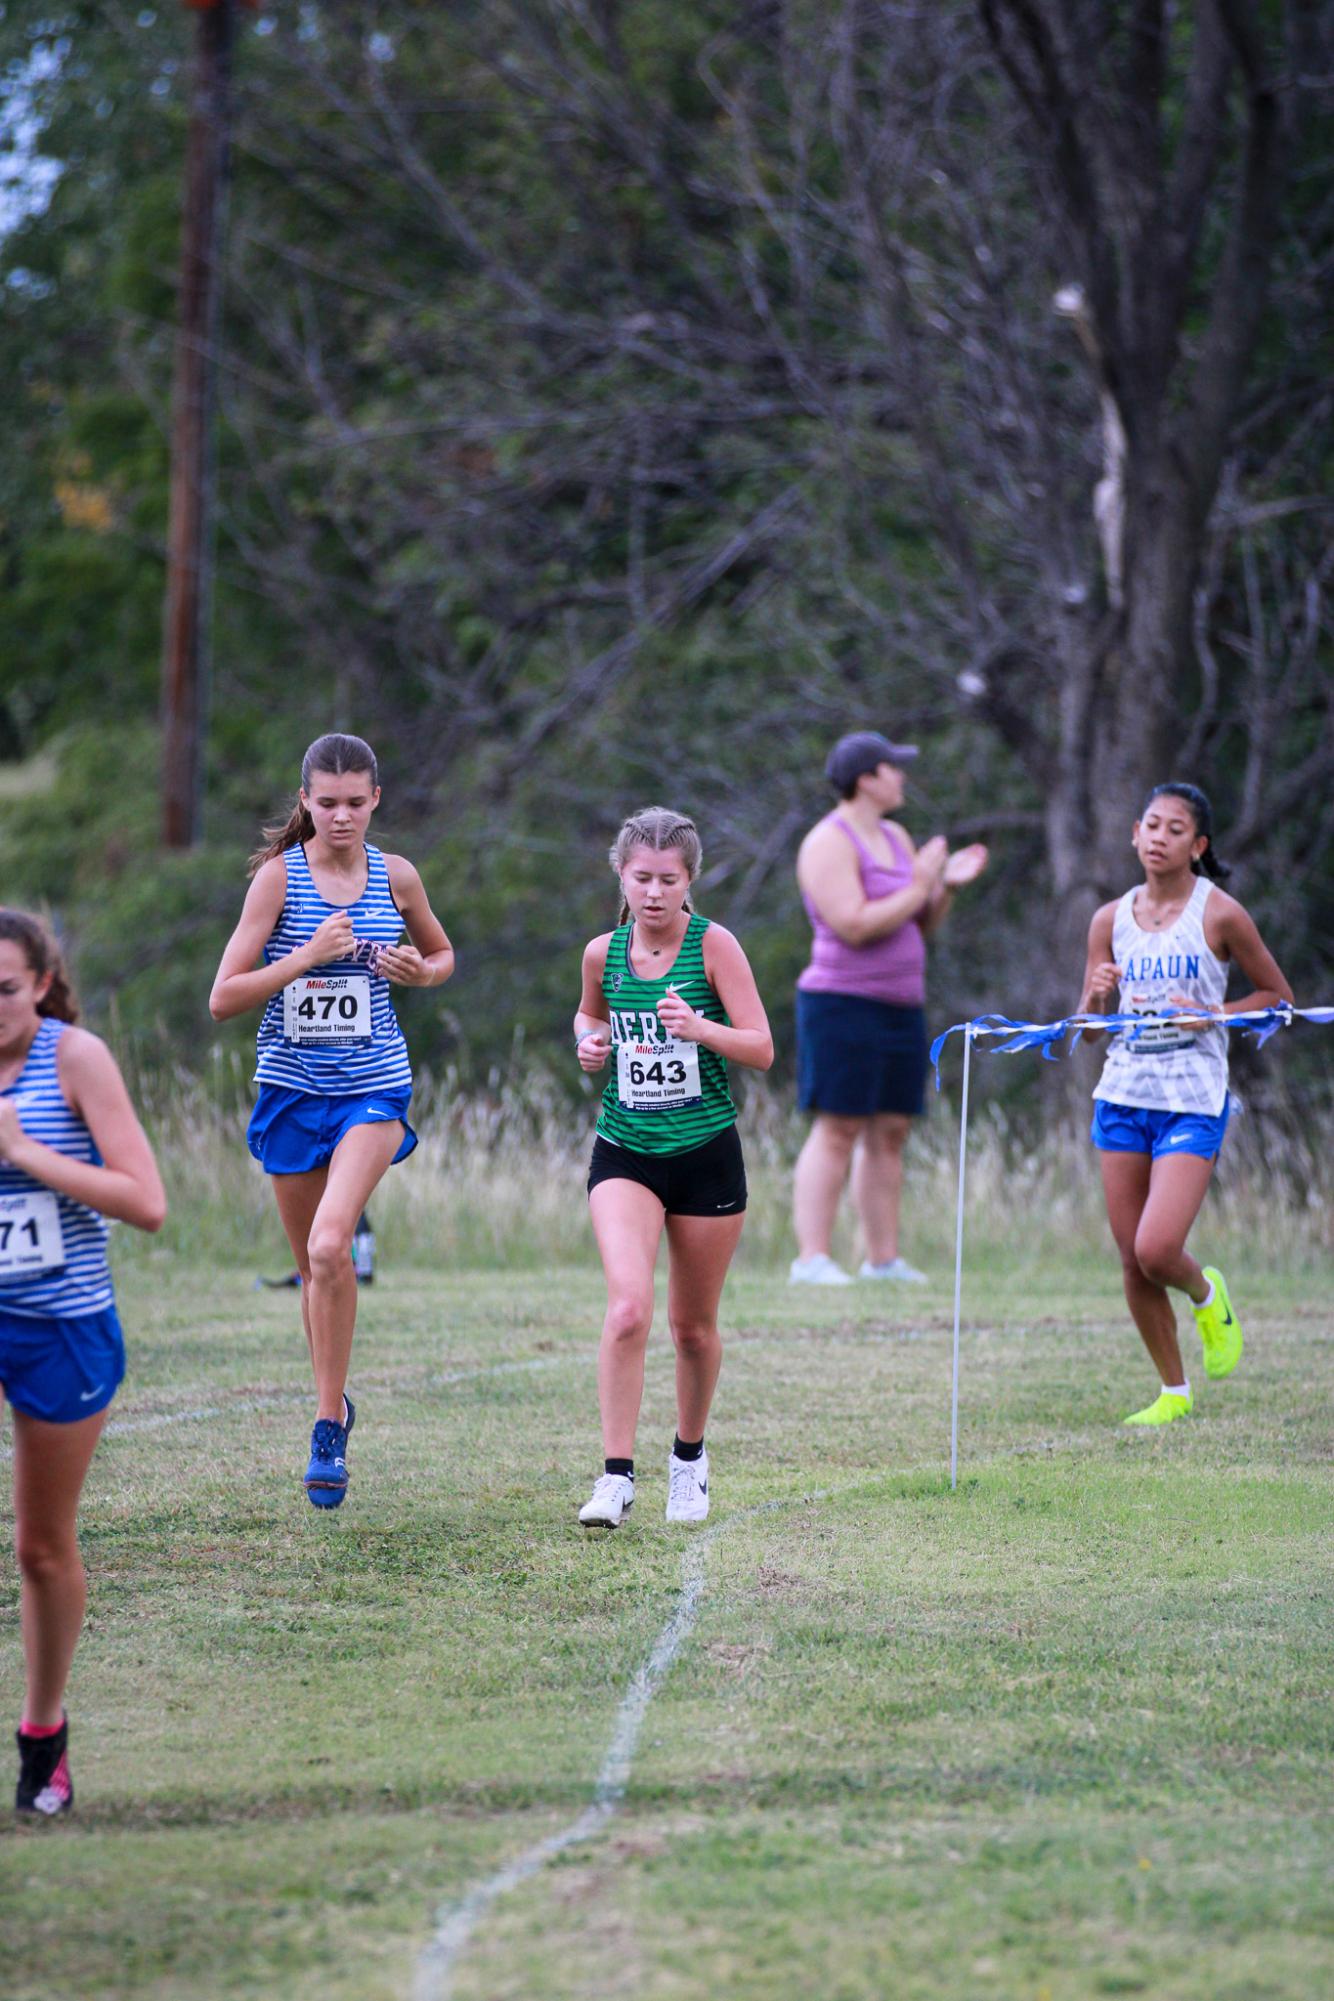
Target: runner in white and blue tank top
(338,1035)
(72,1153)
(325,912)
(1160,1107)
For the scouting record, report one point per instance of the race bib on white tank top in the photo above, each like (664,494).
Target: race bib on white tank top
(31,1236)
(330,1009)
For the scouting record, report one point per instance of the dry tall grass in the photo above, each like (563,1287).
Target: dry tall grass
(498,1181)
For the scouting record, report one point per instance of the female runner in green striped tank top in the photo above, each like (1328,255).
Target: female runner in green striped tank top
(670,998)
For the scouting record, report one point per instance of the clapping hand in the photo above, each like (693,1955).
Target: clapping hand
(928,864)
(965,865)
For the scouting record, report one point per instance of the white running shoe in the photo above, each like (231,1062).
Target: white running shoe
(819,1270)
(687,1488)
(612,1498)
(898,1268)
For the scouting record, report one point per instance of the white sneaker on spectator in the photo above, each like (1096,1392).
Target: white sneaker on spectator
(819,1270)
(898,1268)
(687,1488)
(612,1497)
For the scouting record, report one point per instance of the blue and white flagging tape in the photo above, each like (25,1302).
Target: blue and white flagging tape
(1012,1036)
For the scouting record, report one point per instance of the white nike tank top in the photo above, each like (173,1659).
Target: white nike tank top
(1167,1069)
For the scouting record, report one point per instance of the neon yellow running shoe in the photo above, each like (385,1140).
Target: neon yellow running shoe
(1220,1329)
(1164,1409)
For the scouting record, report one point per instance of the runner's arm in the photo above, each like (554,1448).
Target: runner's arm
(1243,944)
(592,1024)
(1101,972)
(240,985)
(747,1040)
(429,960)
(127,1185)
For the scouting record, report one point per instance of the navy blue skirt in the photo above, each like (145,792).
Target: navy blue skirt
(857,1057)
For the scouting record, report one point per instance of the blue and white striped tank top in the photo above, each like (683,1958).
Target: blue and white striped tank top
(53,1252)
(333,1032)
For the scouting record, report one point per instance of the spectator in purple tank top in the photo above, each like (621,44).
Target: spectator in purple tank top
(873,899)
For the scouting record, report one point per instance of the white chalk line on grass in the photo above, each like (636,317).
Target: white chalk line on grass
(458,1920)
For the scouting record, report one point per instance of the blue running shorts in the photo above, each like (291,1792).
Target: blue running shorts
(61,1370)
(291,1132)
(1136,1129)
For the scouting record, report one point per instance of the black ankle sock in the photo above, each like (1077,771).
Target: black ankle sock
(695,1451)
(625,1467)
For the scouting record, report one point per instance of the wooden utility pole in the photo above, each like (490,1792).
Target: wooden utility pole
(186,635)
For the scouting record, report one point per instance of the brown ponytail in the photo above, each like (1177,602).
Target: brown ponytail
(298,829)
(335,754)
(43,955)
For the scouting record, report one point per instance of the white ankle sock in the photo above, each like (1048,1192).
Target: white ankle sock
(1208,1300)
(1176,1389)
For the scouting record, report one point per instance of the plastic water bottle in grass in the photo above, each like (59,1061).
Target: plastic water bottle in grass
(363,1250)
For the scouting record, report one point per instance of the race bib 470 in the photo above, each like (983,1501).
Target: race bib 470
(327,1008)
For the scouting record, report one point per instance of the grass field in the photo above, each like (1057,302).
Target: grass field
(1066,1732)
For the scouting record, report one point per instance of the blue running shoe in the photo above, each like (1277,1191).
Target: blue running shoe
(326,1475)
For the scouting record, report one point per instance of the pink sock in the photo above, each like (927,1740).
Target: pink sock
(41,1729)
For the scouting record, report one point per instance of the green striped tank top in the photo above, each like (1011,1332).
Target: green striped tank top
(663,1095)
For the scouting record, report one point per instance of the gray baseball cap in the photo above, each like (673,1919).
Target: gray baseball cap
(853,756)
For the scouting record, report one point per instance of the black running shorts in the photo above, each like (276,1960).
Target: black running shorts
(708,1180)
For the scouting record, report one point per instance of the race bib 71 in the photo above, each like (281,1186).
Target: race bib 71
(31,1238)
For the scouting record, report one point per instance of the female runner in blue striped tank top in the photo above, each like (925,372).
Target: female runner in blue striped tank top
(72,1152)
(1161,1105)
(326,911)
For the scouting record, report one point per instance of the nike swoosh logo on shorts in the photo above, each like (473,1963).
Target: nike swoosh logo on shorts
(86,1396)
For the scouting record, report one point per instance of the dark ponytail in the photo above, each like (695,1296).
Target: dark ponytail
(43,955)
(1203,815)
(333,753)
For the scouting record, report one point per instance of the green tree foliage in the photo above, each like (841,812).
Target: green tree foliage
(618,402)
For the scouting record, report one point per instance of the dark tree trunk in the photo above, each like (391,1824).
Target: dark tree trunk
(1133,215)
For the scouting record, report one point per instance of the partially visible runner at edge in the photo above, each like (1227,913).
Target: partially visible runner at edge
(326,911)
(1161,1106)
(672,998)
(72,1153)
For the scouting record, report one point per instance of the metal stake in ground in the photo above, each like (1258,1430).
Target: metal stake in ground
(958,1260)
